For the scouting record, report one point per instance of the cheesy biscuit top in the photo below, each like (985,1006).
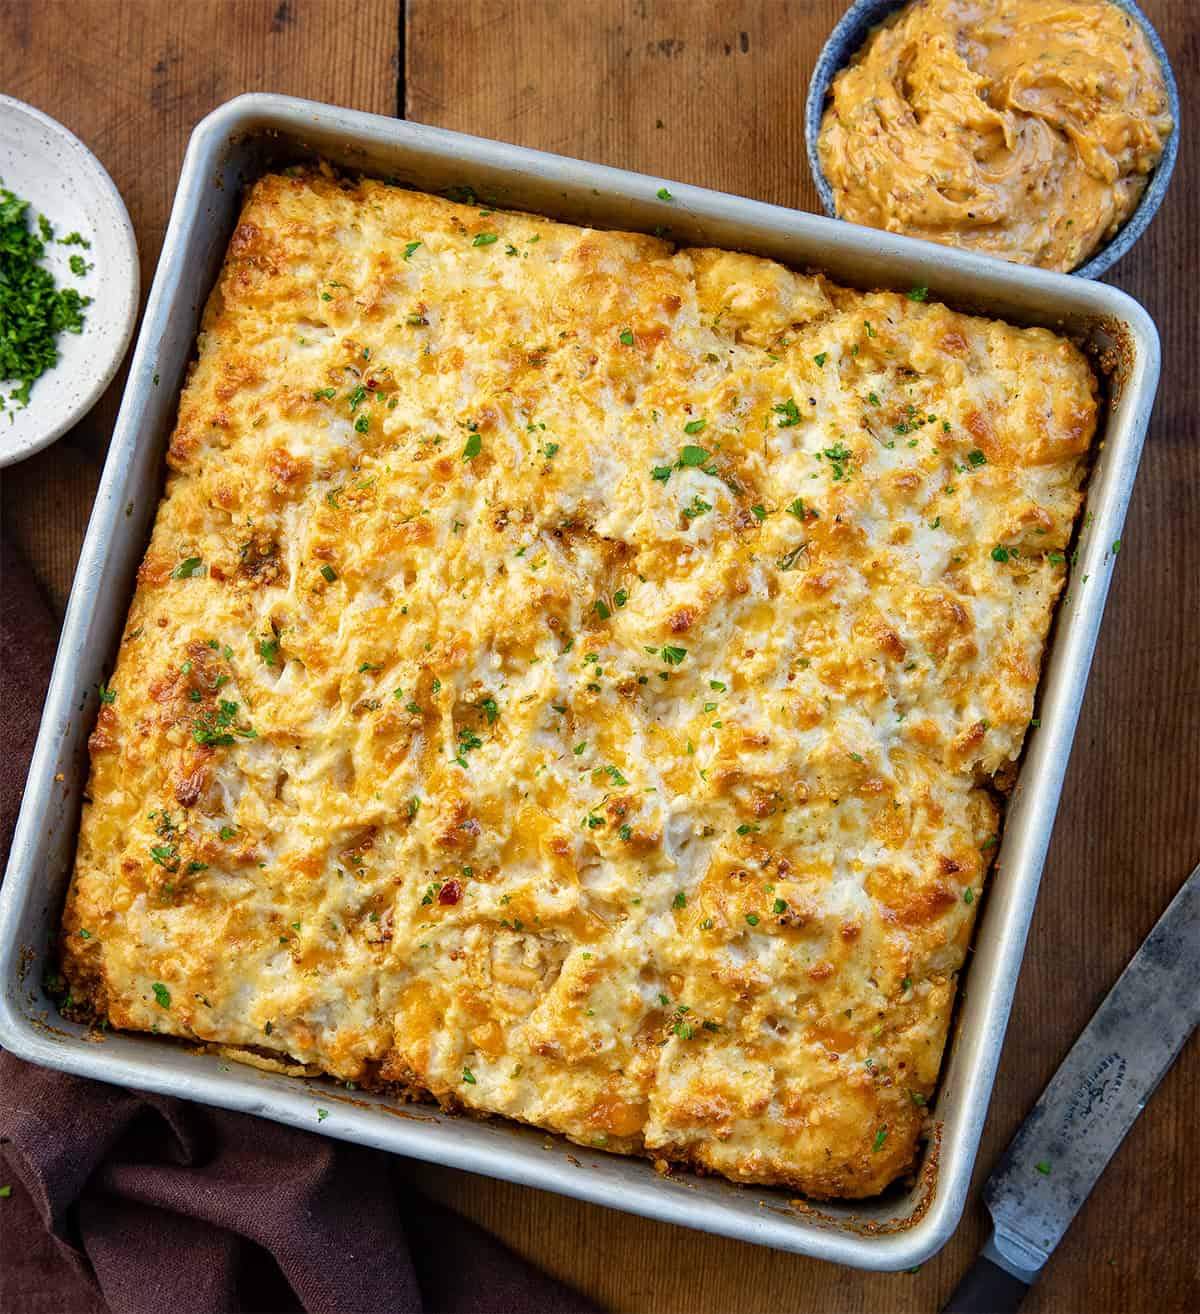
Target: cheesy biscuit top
(568,675)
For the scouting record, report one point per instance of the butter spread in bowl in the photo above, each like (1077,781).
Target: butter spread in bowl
(1025,129)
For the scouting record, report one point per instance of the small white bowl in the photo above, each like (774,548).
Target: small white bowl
(44,164)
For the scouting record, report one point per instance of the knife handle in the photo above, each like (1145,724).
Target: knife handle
(986,1288)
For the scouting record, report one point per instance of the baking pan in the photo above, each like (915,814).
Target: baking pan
(229,149)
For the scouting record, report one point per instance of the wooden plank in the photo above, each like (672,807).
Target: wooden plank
(131,78)
(726,79)
(704,91)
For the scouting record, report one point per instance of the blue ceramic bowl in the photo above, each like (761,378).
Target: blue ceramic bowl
(850,34)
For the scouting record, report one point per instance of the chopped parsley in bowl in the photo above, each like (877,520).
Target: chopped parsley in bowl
(33,309)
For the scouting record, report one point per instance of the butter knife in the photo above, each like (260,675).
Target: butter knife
(1091,1102)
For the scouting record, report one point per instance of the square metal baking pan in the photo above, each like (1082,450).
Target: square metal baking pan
(230,148)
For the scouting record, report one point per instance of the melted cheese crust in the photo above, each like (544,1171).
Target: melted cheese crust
(568,675)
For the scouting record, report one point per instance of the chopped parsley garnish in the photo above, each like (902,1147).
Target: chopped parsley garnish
(227,832)
(33,311)
(661,472)
(602,609)
(328,572)
(759,512)
(107,695)
(268,650)
(1116,547)
(821,357)
(468,1076)
(698,507)
(839,455)
(663,194)
(694,427)
(627,337)
(679,901)
(693,456)
(473,446)
(788,412)
(218,728)
(976,458)
(409,248)
(880,1137)
(490,710)
(779,906)
(716,686)
(751,919)
(1000,553)
(968,897)
(615,776)
(789,559)
(322,1114)
(363,423)
(1043,1167)
(187,568)
(873,398)
(918,294)
(162,996)
(166,855)
(672,655)
(483,239)
(867,326)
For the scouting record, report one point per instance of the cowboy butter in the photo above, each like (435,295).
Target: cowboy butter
(1025,129)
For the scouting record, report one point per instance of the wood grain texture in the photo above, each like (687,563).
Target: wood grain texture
(727,79)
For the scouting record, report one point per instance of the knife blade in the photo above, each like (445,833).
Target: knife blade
(1084,1113)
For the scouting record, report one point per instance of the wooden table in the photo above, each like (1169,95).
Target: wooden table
(712,92)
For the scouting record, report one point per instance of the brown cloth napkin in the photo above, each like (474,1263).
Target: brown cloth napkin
(126,1203)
